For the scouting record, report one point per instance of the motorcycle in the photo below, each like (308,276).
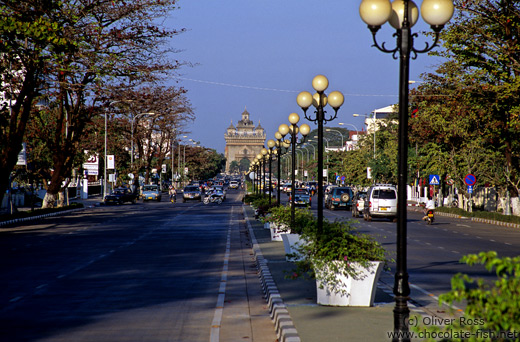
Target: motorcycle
(213,198)
(430,217)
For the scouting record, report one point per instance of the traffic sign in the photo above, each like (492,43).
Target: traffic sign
(434,180)
(470,189)
(470,179)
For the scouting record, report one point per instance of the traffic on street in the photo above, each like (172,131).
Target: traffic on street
(154,271)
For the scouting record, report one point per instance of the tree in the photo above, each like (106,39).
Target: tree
(29,37)
(478,112)
(115,45)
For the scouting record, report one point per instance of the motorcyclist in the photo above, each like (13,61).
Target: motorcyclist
(173,194)
(430,205)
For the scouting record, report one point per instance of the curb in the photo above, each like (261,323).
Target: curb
(30,218)
(284,326)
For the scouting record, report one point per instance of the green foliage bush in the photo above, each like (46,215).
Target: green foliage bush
(303,218)
(335,250)
(492,308)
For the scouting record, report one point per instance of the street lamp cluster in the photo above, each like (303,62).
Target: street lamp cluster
(319,100)
(402,15)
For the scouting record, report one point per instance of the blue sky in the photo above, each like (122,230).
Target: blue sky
(261,54)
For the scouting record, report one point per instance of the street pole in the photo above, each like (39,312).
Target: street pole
(375,13)
(335,99)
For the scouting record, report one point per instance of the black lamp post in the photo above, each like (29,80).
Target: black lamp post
(402,15)
(261,183)
(293,130)
(264,152)
(256,167)
(319,100)
(270,144)
(281,147)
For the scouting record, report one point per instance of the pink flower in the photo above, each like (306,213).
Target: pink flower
(345,258)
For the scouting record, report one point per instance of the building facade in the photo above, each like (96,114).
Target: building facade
(244,141)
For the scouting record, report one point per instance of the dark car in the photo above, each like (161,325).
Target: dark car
(120,196)
(192,193)
(340,197)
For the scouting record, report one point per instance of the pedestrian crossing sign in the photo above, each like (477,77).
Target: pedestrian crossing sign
(434,180)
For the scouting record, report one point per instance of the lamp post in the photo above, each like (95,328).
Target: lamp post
(374,128)
(342,136)
(132,139)
(260,158)
(106,164)
(335,99)
(281,147)
(270,144)
(293,130)
(402,15)
(265,156)
(357,132)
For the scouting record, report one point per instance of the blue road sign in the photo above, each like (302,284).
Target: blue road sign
(470,189)
(470,179)
(434,180)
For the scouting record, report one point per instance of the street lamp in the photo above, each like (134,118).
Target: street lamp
(281,147)
(342,136)
(264,153)
(132,140)
(319,100)
(402,15)
(373,127)
(106,164)
(357,131)
(293,130)
(270,144)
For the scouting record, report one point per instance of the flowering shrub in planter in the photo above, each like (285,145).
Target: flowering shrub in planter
(339,256)
(303,219)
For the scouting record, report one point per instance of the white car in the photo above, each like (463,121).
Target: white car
(381,202)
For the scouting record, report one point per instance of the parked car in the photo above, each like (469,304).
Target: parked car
(381,202)
(151,192)
(192,193)
(302,198)
(358,203)
(120,196)
(340,197)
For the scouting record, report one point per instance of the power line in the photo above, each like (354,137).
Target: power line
(267,89)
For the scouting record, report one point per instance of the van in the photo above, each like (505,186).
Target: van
(381,201)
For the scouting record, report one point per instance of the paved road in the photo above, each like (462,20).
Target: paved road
(434,251)
(143,272)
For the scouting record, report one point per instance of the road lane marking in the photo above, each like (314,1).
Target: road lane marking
(214,335)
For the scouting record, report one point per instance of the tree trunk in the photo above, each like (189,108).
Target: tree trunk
(49,201)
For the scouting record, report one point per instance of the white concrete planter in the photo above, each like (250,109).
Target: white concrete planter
(277,231)
(356,292)
(291,243)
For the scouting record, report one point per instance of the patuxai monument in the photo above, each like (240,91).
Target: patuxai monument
(243,142)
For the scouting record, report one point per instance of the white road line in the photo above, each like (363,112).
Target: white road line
(214,335)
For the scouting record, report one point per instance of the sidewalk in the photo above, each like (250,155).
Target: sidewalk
(90,202)
(293,306)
